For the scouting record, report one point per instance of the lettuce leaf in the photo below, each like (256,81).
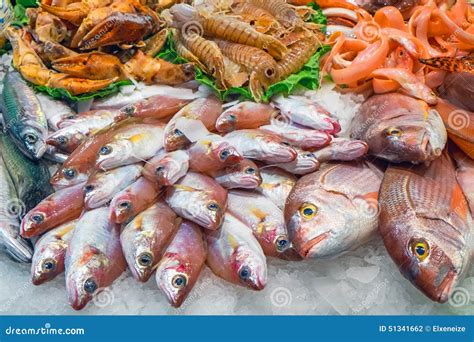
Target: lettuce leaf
(307,77)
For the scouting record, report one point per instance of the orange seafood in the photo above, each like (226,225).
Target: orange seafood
(283,12)
(453,64)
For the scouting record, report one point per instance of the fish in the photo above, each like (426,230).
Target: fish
(94,257)
(333,210)
(166,168)
(133,199)
(306,112)
(24,118)
(276,185)
(342,149)
(206,110)
(137,143)
(59,207)
(262,217)
(453,64)
(80,164)
(198,198)
(244,175)
(30,178)
(305,162)
(181,264)
(103,186)
(50,252)
(55,111)
(145,238)
(212,153)
(458,89)
(426,225)
(245,115)
(72,132)
(306,139)
(235,255)
(11,209)
(464,174)
(261,145)
(399,128)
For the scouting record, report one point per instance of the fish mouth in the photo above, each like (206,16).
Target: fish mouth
(249,182)
(307,248)
(446,286)
(40,151)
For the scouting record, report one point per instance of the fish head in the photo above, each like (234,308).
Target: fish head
(320,224)
(246,175)
(175,139)
(225,153)
(113,154)
(249,267)
(280,151)
(33,141)
(430,262)
(173,278)
(84,278)
(227,121)
(137,247)
(71,175)
(34,222)
(47,263)
(95,193)
(121,209)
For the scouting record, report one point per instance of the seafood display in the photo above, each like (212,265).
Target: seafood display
(168,179)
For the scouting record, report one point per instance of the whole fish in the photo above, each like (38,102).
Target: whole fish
(245,115)
(342,149)
(55,111)
(263,217)
(198,198)
(206,110)
(50,251)
(62,206)
(244,175)
(276,185)
(10,211)
(235,255)
(132,200)
(166,168)
(23,116)
(399,128)
(307,139)
(212,153)
(261,145)
(30,178)
(145,238)
(102,186)
(305,112)
(94,257)
(73,132)
(304,163)
(333,210)
(181,264)
(135,144)
(426,225)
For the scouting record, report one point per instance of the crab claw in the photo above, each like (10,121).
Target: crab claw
(74,13)
(77,85)
(120,28)
(93,66)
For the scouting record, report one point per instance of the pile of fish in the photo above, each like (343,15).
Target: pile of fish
(168,180)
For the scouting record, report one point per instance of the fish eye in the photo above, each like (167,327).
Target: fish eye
(62,140)
(159,169)
(244,273)
(281,243)
(179,281)
(30,138)
(393,132)
(69,173)
(129,110)
(90,285)
(48,265)
(269,72)
(125,205)
(232,117)
(420,249)
(213,206)
(308,155)
(104,150)
(88,188)
(145,259)
(177,132)
(224,154)
(37,218)
(250,170)
(308,210)
(285,143)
